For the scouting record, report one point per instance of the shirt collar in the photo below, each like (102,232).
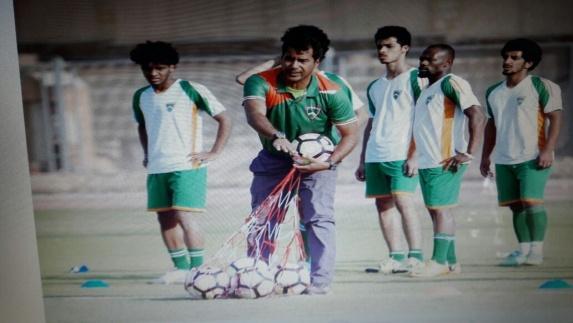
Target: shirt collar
(311,90)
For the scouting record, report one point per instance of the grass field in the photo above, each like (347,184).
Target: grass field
(121,245)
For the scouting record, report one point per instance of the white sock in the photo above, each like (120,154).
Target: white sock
(537,247)
(525,248)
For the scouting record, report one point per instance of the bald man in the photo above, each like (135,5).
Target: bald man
(443,152)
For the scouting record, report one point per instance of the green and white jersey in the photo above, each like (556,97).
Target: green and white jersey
(519,116)
(391,105)
(439,121)
(324,105)
(346,88)
(174,122)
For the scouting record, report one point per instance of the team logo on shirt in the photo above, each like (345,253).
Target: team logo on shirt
(170,106)
(520,100)
(396,94)
(429,99)
(312,112)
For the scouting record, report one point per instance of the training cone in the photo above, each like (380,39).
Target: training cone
(94,283)
(555,284)
(79,269)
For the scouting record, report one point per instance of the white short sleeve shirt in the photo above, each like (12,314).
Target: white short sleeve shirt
(439,121)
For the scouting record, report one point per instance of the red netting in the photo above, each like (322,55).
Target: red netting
(271,231)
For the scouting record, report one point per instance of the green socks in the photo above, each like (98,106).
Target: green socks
(180,258)
(441,248)
(196,256)
(398,255)
(521,227)
(186,259)
(451,256)
(537,222)
(416,253)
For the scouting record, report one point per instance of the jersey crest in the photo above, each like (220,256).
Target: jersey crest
(396,94)
(312,112)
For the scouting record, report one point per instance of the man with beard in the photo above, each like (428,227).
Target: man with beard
(518,109)
(440,118)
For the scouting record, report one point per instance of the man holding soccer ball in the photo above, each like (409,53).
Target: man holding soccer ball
(284,103)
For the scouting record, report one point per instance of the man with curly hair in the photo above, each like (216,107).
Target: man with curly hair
(169,113)
(284,103)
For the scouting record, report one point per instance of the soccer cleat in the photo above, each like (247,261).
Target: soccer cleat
(430,269)
(534,259)
(514,259)
(392,266)
(317,290)
(413,264)
(176,276)
(455,269)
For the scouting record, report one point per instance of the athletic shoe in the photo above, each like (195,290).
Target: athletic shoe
(318,290)
(392,266)
(514,259)
(431,269)
(534,259)
(455,269)
(176,276)
(413,264)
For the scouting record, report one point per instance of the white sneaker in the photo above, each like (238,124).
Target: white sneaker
(514,259)
(455,269)
(176,276)
(413,264)
(392,266)
(317,290)
(431,269)
(534,259)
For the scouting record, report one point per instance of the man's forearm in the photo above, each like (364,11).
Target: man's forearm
(489,139)
(223,132)
(347,143)
(141,131)
(365,138)
(553,131)
(476,120)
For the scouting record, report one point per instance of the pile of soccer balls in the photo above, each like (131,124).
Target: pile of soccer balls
(247,278)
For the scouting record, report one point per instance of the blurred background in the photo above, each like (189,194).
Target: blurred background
(78,82)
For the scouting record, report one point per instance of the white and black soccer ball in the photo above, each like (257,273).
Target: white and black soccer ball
(254,282)
(207,282)
(315,145)
(240,265)
(292,279)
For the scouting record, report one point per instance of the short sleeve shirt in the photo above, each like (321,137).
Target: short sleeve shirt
(439,121)
(173,120)
(391,105)
(519,116)
(324,106)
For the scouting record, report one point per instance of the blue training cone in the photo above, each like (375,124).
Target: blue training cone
(95,283)
(555,284)
(79,269)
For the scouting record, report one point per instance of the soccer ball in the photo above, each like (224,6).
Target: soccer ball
(292,279)
(207,282)
(254,282)
(314,145)
(240,265)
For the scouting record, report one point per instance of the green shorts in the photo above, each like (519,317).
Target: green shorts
(387,178)
(521,182)
(441,189)
(181,190)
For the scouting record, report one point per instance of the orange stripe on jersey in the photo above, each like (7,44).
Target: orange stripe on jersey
(194,125)
(325,84)
(447,128)
(273,97)
(541,128)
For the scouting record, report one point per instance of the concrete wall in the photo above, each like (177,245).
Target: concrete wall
(129,21)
